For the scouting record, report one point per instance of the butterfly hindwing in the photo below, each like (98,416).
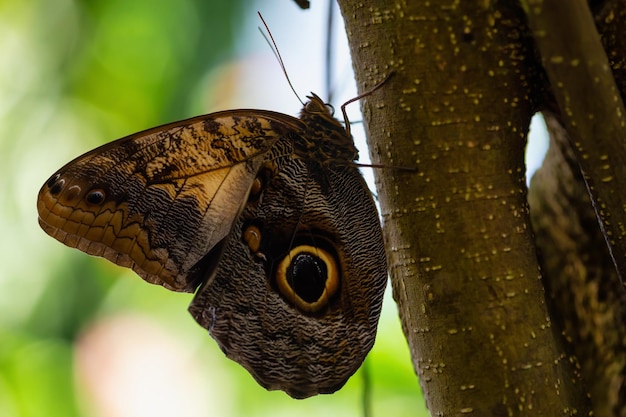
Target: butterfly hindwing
(312,339)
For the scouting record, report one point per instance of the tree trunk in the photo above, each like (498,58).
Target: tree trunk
(461,252)
(587,298)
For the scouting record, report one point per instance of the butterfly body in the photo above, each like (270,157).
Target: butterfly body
(267,214)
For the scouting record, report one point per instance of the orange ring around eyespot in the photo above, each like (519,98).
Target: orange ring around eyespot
(330,287)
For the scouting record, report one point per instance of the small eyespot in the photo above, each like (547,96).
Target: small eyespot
(257,187)
(53,179)
(263,177)
(95,197)
(73,192)
(252,237)
(308,277)
(55,184)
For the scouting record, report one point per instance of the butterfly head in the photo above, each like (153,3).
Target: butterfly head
(325,138)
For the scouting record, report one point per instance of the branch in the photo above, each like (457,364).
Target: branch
(588,300)
(590,107)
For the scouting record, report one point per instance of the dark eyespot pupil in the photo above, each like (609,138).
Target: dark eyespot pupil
(53,179)
(95,197)
(56,186)
(307,276)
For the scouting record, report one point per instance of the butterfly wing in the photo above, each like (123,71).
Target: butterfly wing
(161,200)
(297,292)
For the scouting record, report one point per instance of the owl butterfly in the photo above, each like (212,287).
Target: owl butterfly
(264,214)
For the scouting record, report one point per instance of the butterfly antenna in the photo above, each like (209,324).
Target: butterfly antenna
(329,51)
(274,47)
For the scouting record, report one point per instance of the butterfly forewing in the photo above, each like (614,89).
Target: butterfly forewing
(160,200)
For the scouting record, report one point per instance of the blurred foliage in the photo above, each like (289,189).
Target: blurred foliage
(75,74)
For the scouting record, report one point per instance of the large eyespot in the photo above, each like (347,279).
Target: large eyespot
(308,277)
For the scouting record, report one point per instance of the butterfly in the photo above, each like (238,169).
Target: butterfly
(264,215)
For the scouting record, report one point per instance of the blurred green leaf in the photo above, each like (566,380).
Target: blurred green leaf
(36,377)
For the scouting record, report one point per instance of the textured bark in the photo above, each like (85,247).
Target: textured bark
(460,248)
(588,301)
(589,105)
(588,298)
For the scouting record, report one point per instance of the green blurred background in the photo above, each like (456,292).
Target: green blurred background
(78,335)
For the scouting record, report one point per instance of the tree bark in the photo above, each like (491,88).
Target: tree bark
(460,248)
(587,299)
(590,107)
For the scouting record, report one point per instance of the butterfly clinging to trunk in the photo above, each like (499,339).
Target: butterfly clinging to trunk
(264,215)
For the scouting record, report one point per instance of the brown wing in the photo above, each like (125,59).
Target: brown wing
(160,200)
